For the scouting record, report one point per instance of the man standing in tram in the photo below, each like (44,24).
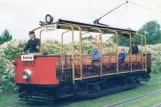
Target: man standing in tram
(135,49)
(96,59)
(33,44)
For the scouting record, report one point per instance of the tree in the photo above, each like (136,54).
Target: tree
(87,38)
(122,40)
(6,36)
(151,30)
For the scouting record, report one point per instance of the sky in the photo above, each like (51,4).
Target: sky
(21,16)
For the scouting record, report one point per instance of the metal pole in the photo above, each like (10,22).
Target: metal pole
(38,28)
(145,52)
(116,34)
(41,40)
(130,49)
(62,49)
(100,45)
(141,49)
(73,59)
(80,50)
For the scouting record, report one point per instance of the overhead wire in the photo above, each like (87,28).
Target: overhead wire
(127,14)
(143,6)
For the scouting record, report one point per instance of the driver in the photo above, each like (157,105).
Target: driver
(33,44)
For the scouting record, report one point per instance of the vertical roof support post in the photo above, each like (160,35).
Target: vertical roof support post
(130,49)
(73,59)
(40,34)
(96,39)
(145,52)
(41,40)
(116,34)
(80,51)
(141,49)
(100,46)
(62,49)
(82,35)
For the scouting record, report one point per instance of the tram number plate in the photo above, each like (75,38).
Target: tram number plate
(27,57)
(51,27)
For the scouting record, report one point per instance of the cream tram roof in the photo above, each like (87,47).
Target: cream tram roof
(88,27)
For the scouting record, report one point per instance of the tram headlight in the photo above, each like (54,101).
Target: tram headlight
(48,18)
(26,75)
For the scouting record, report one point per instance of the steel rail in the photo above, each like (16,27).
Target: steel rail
(133,98)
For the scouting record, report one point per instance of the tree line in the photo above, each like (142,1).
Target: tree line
(152,31)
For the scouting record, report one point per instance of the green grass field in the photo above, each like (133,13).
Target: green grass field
(11,99)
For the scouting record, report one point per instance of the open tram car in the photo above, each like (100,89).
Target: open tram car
(57,76)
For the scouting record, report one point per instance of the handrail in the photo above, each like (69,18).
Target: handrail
(100,45)
(37,28)
(116,34)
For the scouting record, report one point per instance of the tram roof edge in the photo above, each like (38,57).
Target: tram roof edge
(119,30)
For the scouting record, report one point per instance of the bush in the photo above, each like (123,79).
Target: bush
(7,83)
(13,49)
(155,51)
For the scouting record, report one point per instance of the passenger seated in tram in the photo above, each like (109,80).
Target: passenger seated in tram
(96,59)
(134,48)
(122,56)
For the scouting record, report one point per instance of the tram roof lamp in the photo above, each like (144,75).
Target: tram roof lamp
(48,18)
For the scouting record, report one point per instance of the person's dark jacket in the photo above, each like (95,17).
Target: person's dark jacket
(122,57)
(135,49)
(31,45)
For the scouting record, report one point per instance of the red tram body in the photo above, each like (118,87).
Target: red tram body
(43,71)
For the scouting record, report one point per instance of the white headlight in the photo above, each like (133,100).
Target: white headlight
(26,75)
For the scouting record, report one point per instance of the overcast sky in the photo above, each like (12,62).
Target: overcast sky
(21,16)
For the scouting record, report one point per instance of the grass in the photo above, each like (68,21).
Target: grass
(11,99)
(145,102)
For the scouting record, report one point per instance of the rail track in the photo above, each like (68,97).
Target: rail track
(157,105)
(155,78)
(133,98)
(66,101)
